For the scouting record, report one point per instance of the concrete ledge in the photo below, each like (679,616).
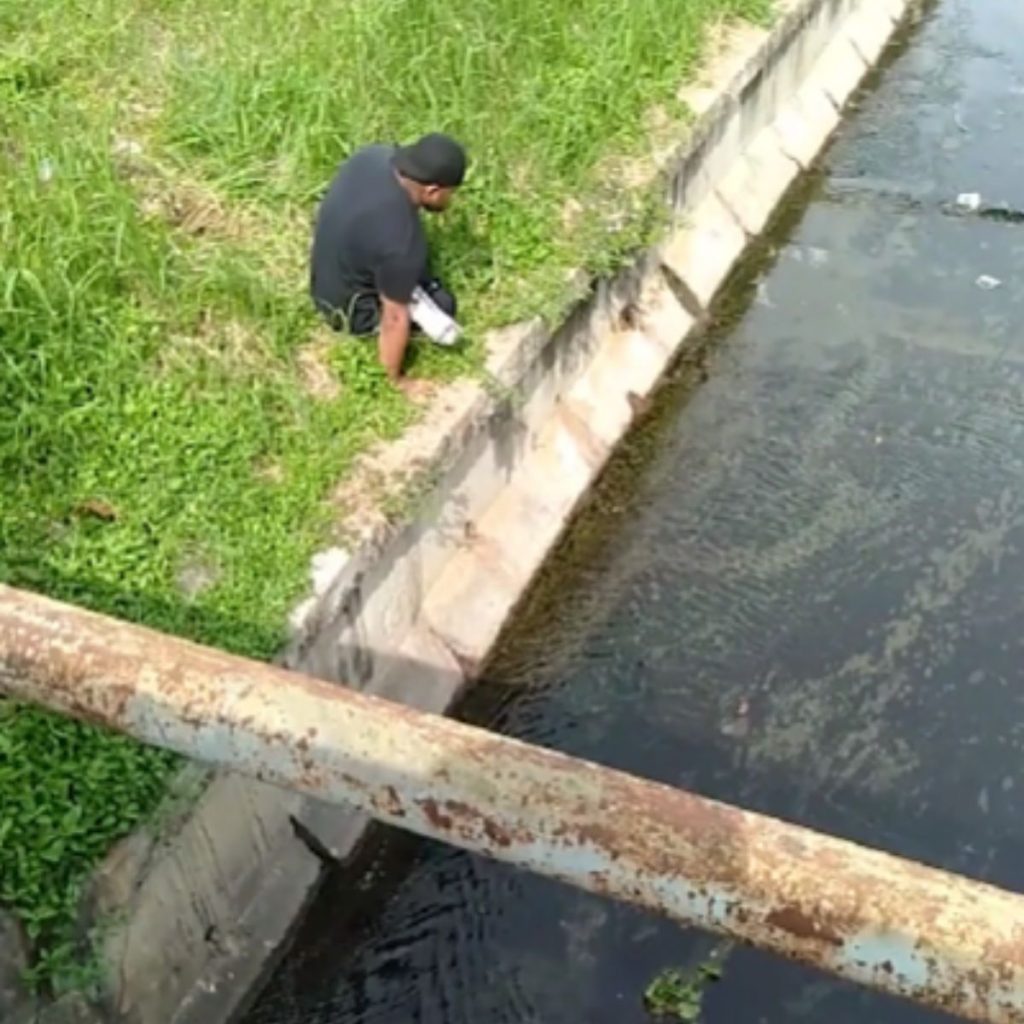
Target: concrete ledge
(410,609)
(701,254)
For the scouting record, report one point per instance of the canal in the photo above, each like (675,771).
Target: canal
(800,587)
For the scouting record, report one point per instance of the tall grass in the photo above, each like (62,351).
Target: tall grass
(154,424)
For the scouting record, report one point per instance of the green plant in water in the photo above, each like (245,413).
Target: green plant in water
(677,995)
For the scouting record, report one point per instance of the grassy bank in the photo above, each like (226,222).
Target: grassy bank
(171,416)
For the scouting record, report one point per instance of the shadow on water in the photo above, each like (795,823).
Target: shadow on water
(796,589)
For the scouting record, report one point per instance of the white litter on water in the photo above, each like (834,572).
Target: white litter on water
(763,298)
(969,201)
(812,254)
(988,283)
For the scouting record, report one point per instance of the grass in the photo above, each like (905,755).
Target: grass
(163,458)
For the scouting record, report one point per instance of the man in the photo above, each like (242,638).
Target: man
(369,264)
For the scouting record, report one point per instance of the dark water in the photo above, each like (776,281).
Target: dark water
(800,589)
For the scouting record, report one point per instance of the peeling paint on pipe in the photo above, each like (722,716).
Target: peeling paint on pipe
(890,924)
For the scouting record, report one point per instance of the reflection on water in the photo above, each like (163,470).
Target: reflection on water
(799,590)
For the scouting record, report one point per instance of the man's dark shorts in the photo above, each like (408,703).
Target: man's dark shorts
(362,315)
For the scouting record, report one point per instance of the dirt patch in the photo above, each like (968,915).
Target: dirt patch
(270,471)
(231,344)
(727,43)
(360,499)
(190,207)
(197,574)
(313,363)
(391,476)
(278,239)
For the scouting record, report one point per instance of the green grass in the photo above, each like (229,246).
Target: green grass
(159,165)
(94,786)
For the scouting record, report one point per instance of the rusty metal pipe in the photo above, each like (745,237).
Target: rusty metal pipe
(887,923)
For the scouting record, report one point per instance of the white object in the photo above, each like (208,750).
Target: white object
(432,320)
(326,568)
(969,201)
(988,283)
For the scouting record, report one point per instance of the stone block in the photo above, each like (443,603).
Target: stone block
(703,251)
(757,182)
(72,1008)
(425,673)
(840,70)
(470,603)
(805,124)
(15,999)
(869,29)
(663,318)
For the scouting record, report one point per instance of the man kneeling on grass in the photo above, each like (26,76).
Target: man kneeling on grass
(370,268)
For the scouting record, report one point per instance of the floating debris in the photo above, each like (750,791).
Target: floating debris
(674,995)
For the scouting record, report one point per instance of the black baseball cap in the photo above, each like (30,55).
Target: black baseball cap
(435,160)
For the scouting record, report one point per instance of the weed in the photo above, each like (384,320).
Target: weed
(153,309)
(70,788)
(678,995)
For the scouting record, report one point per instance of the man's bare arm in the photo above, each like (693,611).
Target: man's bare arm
(395,326)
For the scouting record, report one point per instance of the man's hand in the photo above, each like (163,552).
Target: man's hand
(395,326)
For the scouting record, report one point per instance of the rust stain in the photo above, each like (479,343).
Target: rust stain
(801,925)
(497,835)
(460,809)
(389,803)
(434,815)
(463,821)
(1008,955)
(655,813)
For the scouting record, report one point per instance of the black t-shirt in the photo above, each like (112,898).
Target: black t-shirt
(368,234)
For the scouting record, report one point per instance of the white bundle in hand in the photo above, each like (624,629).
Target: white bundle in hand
(433,321)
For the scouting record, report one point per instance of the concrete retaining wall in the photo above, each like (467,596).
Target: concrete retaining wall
(206,897)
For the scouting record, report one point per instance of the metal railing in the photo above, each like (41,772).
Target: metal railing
(887,923)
